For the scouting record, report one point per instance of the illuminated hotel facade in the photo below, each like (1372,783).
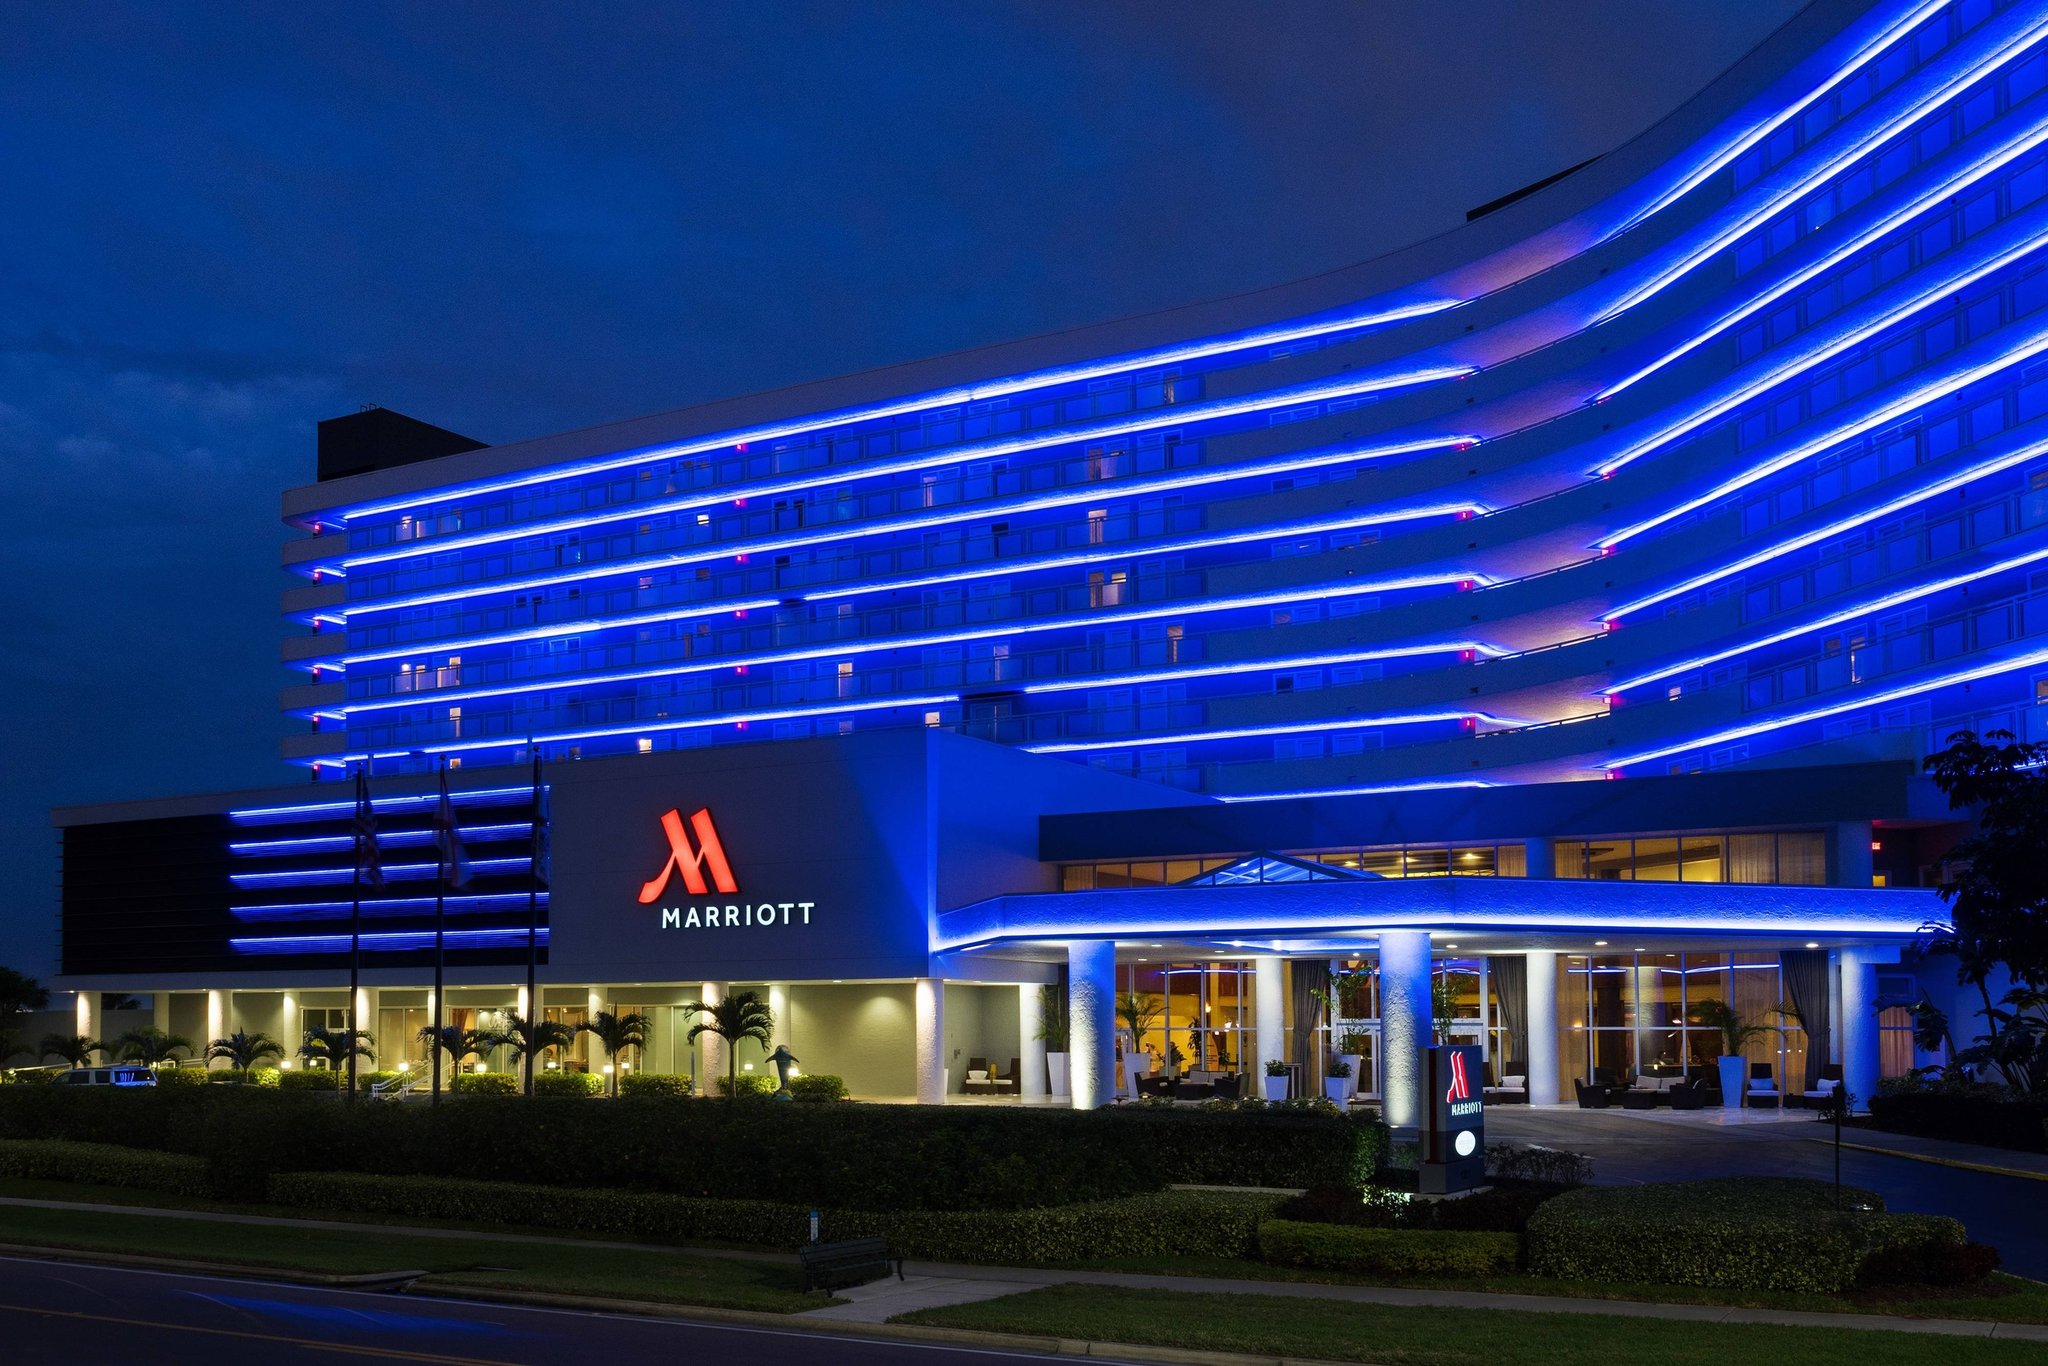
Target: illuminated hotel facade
(1718,465)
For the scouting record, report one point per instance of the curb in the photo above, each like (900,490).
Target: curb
(367,1280)
(1937,1161)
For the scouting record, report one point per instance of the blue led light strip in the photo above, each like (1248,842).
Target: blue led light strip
(850,648)
(379,941)
(1863,700)
(1886,603)
(1139,740)
(2031,451)
(385,838)
(1255,666)
(551,630)
(500,796)
(394,872)
(404,905)
(1315,792)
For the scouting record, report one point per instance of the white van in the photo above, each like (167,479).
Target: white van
(105,1076)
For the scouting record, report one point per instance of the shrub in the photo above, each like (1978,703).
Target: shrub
(567,1084)
(236,1076)
(1386,1251)
(367,1080)
(1170,1223)
(1736,1233)
(654,1084)
(309,1081)
(1551,1165)
(1505,1207)
(1929,1262)
(181,1076)
(102,1164)
(1980,1115)
(751,1086)
(484,1084)
(822,1087)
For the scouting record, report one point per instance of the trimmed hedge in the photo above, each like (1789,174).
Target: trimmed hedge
(1170,1223)
(102,1164)
(484,1084)
(367,1080)
(1387,1251)
(751,1086)
(2020,1124)
(574,1085)
(309,1081)
(654,1084)
(1731,1233)
(878,1157)
(819,1089)
(181,1076)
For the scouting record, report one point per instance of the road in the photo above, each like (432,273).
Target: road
(1627,1147)
(66,1314)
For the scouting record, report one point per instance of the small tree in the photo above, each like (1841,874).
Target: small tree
(745,1016)
(75,1049)
(243,1051)
(20,994)
(150,1046)
(336,1046)
(1735,1031)
(458,1043)
(1139,1011)
(528,1039)
(617,1033)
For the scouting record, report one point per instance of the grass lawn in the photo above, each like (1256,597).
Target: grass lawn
(1268,1325)
(2006,1299)
(670,1277)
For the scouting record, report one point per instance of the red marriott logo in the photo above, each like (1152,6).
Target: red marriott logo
(1460,1088)
(708,855)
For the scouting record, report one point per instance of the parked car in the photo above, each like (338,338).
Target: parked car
(105,1076)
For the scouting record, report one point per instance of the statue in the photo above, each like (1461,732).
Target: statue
(783,1059)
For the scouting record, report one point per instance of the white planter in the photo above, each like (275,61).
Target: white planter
(1356,1062)
(1338,1089)
(1275,1088)
(1056,1064)
(1734,1081)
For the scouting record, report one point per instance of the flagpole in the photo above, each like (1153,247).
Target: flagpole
(443,847)
(534,1014)
(355,933)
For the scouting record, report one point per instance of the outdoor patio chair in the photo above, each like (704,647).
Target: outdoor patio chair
(1695,1093)
(1590,1097)
(1823,1090)
(1643,1096)
(977,1082)
(1762,1092)
(1228,1086)
(1513,1088)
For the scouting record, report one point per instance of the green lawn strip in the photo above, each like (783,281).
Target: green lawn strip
(2007,1299)
(1268,1325)
(622,1273)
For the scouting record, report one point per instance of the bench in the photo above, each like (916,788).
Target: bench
(833,1266)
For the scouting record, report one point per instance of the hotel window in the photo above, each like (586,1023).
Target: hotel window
(1098,524)
(1795,857)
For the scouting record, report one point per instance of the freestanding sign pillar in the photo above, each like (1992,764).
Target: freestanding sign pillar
(1454,1122)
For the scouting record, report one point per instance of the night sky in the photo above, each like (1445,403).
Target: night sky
(220,223)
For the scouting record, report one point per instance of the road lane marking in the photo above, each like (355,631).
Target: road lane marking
(385,1353)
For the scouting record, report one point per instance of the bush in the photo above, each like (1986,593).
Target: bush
(1930,1262)
(1982,1115)
(1552,1166)
(654,1084)
(1170,1223)
(367,1080)
(1733,1233)
(236,1076)
(181,1076)
(1386,1251)
(877,1157)
(102,1164)
(309,1081)
(820,1088)
(484,1084)
(752,1086)
(571,1084)
(1505,1207)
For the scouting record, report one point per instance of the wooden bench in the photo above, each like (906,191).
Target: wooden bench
(833,1266)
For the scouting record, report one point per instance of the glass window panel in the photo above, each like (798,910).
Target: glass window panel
(1608,860)
(1571,858)
(1511,860)
(1752,858)
(1385,862)
(1657,860)
(1802,858)
(1476,862)
(1427,862)
(1702,861)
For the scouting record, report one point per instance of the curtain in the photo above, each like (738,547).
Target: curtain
(1806,985)
(1307,977)
(1510,974)
(1752,859)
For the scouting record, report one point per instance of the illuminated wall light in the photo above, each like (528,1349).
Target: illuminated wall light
(1847,614)
(1864,700)
(970,453)
(1139,741)
(2017,351)
(2013,148)
(835,649)
(1819,534)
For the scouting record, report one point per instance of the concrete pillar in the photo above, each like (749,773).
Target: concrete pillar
(1849,860)
(160,1010)
(1857,1024)
(216,1023)
(1091,1022)
(1544,1086)
(930,995)
(1030,1048)
(1406,1026)
(1269,1015)
(1540,858)
(86,1009)
(778,1002)
(711,994)
(289,1033)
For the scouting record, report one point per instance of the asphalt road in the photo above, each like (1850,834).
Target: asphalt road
(68,1315)
(2004,1211)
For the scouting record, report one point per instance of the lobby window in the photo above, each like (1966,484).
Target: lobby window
(1795,857)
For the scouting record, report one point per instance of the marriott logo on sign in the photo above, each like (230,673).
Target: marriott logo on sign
(707,855)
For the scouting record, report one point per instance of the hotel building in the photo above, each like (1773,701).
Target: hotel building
(1543,623)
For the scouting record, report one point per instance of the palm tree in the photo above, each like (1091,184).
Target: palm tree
(150,1046)
(243,1051)
(617,1033)
(528,1039)
(75,1049)
(458,1043)
(745,1016)
(337,1046)
(1139,1013)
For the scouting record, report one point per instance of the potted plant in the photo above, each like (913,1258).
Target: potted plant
(1337,1083)
(1735,1032)
(1276,1080)
(1052,1027)
(1351,1046)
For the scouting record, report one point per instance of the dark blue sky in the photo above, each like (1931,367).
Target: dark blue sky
(220,223)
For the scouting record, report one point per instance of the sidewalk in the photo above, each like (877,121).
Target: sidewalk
(1946,1152)
(934,1284)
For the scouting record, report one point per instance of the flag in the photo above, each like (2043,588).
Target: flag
(369,867)
(448,840)
(543,831)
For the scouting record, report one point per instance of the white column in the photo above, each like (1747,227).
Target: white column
(521,1006)
(778,1002)
(593,1052)
(931,1040)
(289,1034)
(86,1010)
(1030,1048)
(216,1021)
(1857,1024)
(711,993)
(160,1010)
(1091,1022)
(1541,970)
(1406,1026)
(1269,1015)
